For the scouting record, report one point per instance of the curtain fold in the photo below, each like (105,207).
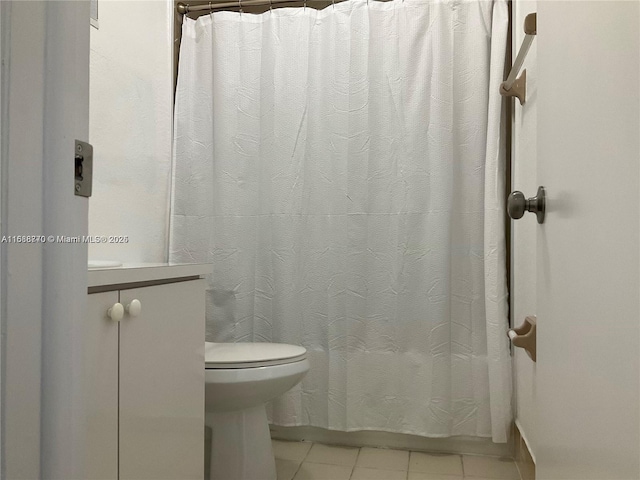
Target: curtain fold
(343,170)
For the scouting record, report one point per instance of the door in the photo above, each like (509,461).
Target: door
(45,107)
(587,396)
(101,373)
(162,383)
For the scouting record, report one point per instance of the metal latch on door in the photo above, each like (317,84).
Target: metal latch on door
(83,173)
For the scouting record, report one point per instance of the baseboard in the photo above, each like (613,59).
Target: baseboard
(459,445)
(522,454)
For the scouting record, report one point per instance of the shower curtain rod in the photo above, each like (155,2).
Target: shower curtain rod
(184,8)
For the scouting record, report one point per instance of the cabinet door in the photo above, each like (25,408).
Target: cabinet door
(101,383)
(162,383)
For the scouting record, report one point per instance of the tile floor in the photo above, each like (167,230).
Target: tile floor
(314,461)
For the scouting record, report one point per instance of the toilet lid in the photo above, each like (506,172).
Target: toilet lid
(248,355)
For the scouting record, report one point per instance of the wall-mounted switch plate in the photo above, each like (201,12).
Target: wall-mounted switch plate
(83,169)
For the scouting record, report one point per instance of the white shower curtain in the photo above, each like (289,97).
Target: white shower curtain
(343,171)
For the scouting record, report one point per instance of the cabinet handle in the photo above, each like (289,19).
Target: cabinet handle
(116,312)
(134,308)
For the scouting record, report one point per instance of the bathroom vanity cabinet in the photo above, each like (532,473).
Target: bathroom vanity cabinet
(144,372)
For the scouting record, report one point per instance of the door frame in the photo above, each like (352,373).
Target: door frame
(44,107)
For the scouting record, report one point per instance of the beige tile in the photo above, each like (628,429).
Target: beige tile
(295,451)
(490,467)
(384,459)
(363,473)
(435,463)
(432,476)
(286,469)
(321,471)
(332,455)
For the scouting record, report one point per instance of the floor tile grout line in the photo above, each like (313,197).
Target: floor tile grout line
(329,462)
(357,456)
(353,469)
(302,461)
(407,471)
(308,452)
(297,470)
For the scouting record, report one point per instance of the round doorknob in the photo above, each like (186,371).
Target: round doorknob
(116,312)
(517,204)
(134,308)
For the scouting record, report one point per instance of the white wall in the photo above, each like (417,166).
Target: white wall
(523,289)
(130,128)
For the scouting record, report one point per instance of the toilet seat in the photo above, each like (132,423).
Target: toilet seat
(251,355)
(239,380)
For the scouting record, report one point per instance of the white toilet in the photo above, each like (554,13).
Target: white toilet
(240,378)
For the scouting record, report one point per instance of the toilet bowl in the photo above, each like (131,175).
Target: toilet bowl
(239,379)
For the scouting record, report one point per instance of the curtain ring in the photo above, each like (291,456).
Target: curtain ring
(270,5)
(240,5)
(333,4)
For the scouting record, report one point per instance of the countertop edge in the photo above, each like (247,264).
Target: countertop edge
(133,273)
